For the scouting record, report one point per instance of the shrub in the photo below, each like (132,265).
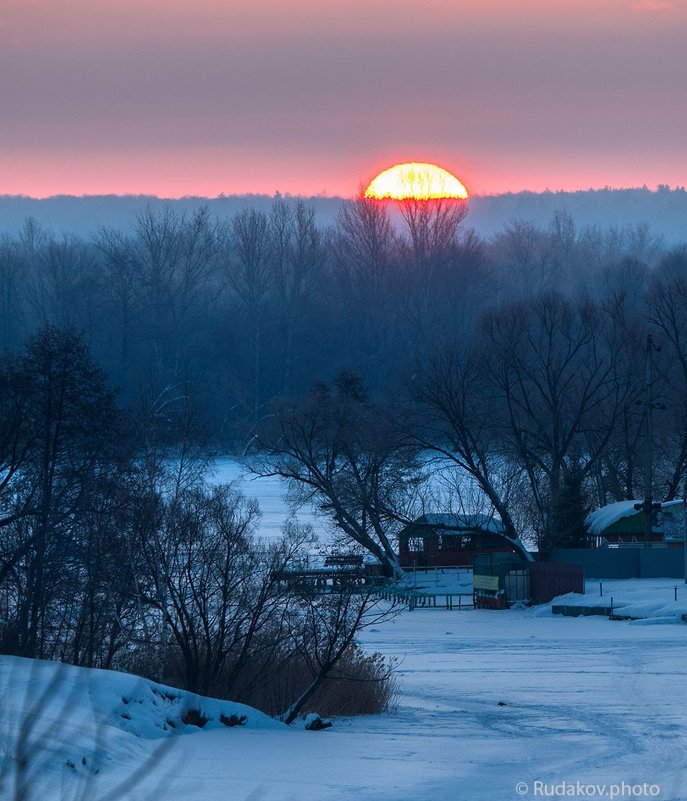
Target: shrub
(362,684)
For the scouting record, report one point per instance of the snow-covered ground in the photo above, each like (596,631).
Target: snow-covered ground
(488,700)
(663,598)
(83,731)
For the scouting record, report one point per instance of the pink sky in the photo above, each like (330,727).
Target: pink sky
(211,96)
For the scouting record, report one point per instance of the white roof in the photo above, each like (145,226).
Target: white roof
(599,521)
(608,515)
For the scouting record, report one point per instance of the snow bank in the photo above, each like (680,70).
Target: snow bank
(78,724)
(670,519)
(135,705)
(490,700)
(633,598)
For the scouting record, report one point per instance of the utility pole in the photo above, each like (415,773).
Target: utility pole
(649,506)
(649,466)
(684,528)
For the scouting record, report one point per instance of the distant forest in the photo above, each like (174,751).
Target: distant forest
(240,309)
(664,210)
(525,349)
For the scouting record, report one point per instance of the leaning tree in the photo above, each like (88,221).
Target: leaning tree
(348,456)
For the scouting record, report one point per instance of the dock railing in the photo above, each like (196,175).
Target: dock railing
(415,599)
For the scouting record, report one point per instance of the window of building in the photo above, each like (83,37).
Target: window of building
(416,544)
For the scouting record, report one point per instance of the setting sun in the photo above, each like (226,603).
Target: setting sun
(416,180)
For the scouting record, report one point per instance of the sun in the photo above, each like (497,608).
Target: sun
(417,181)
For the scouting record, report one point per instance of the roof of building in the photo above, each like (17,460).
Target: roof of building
(476,522)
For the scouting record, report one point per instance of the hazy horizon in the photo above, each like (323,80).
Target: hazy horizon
(328,196)
(663,210)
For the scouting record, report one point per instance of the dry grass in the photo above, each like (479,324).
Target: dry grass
(361,684)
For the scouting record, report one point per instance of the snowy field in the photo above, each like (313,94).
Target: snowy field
(488,700)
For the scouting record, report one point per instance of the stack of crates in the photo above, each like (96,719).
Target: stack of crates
(500,579)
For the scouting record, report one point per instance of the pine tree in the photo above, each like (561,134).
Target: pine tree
(570,512)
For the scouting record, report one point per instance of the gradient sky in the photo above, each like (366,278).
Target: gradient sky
(179,97)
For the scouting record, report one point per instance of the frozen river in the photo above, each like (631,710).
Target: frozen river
(271,495)
(494,706)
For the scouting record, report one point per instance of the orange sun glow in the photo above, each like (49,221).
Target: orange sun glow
(415,180)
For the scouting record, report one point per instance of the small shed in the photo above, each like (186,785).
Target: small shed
(621,523)
(500,580)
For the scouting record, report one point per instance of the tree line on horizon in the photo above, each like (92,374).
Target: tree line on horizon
(663,208)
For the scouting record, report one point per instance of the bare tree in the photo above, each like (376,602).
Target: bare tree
(298,256)
(121,298)
(432,226)
(347,456)
(63,288)
(456,426)
(250,253)
(555,367)
(74,442)
(521,254)
(365,243)
(200,561)
(11,292)
(539,397)
(667,311)
(431,257)
(174,258)
(368,288)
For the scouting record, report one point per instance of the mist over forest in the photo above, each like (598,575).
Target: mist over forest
(522,349)
(664,210)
